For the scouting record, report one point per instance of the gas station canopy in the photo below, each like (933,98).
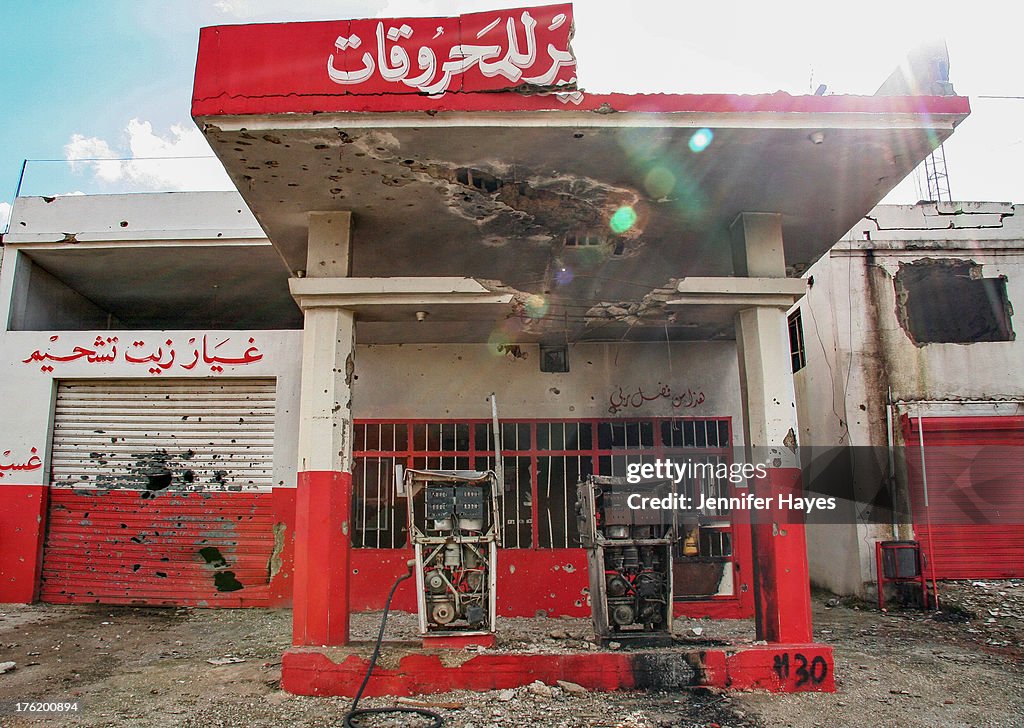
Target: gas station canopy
(588,200)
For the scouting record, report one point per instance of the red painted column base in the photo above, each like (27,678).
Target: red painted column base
(22,527)
(777,668)
(457,641)
(323,552)
(782,592)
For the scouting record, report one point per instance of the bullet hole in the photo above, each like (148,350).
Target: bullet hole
(225,581)
(136,567)
(213,557)
(124,223)
(159,481)
(161,574)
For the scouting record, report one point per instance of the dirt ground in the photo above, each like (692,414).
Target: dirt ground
(963,666)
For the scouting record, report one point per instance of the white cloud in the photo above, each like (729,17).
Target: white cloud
(5,215)
(149,161)
(311,9)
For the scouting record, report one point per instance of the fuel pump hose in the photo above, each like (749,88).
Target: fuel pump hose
(351,719)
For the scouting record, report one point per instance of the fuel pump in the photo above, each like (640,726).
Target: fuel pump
(454,526)
(629,560)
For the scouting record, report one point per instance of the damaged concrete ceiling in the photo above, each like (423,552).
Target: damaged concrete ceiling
(591,218)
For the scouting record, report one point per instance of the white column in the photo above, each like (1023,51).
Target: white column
(328,350)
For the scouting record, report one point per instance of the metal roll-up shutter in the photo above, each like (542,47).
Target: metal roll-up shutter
(973,527)
(161,493)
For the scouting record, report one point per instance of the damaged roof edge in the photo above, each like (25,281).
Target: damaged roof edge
(599,104)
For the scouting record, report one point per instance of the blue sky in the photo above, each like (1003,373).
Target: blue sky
(114,77)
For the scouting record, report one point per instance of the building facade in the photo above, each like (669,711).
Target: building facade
(209,415)
(907,327)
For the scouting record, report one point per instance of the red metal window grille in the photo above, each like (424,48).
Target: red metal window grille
(543,462)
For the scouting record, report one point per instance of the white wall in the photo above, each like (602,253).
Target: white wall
(454,381)
(27,390)
(132,217)
(857,350)
(421,381)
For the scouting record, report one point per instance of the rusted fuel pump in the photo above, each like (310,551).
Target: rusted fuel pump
(629,560)
(454,525)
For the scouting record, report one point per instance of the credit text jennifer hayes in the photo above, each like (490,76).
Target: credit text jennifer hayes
(733,472)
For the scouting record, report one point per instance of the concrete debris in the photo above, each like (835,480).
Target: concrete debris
(648,311)
(229,660)
(571,687)
(6,667)
(539,688)
(951,676)
(414,703)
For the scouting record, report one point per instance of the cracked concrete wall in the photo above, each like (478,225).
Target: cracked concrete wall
(987,237)
(453,381)
(856,347)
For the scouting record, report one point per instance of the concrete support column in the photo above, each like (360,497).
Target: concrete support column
(781,579)
(324,489)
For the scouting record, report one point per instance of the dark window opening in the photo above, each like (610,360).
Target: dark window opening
(554,358)
(796,341)
(948,302)
(478,179)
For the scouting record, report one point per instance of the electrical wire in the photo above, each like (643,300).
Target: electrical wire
(351,719)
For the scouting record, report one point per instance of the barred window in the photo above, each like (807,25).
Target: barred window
(543,460)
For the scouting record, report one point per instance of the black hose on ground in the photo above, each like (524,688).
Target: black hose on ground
(351,719)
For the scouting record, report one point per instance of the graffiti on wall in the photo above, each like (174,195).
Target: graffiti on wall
(621,399)
(159,358)
(10,463)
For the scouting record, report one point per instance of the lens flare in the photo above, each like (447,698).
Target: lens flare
(700,140)
(622,220)
(563,276)
(497,342)
(659,182)
(536,306)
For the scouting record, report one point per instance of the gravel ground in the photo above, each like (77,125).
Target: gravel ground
(149,667)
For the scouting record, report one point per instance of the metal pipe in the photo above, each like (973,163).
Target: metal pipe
(927,511)
(499,462)
(891,443)
(21,178)
(1008,400)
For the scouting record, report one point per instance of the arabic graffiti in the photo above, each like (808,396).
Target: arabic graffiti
(104,350)
(7,463)
(619,400)
(481,51)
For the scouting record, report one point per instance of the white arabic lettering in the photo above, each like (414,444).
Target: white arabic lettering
(391,60)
